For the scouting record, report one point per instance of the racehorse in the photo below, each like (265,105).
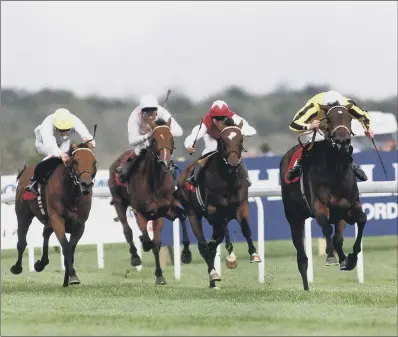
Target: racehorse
(63,205)
(149,192)
(327,190)
(221,195)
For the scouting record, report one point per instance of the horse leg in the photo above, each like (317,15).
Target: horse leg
(230,261)
(297,229)
(242,216)
(338,240)
(350,261)
(58,224)
(43,262)
(203,246)
(174,213)
(24,222)
(330,258)
(121,209)
(157,230)
(146,241)
(217,238)
(74,239)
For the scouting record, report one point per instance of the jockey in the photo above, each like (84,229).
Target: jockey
(217,114)
(304,120)
(139,131)
(53,138)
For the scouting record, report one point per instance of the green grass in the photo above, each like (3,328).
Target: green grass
(107,303)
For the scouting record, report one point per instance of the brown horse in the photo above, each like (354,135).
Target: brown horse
(63,205)
(150,193)
(221,195)
(329,191)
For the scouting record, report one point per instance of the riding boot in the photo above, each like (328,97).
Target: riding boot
(124,170)
(31,187)
(296,170)
(193,179)
(359,173)
(245,172)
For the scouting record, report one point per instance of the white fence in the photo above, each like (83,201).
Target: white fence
(101,229)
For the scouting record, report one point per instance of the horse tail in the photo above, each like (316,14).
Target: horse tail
(20,171)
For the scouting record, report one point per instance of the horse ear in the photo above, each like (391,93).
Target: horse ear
(349,106)
(323,107)
(74,147)
(240,125)
(169,122)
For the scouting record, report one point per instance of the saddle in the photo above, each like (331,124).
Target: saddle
(42,173)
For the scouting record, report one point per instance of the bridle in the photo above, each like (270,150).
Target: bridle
(164,148)
(72,173)
(331,134)
(225,158)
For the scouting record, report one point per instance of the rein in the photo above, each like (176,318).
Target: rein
(72,174)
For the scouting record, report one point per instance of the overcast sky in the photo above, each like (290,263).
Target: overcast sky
(132,48)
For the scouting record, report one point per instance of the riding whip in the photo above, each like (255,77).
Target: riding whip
(194,142)
(167,98)
(381,161)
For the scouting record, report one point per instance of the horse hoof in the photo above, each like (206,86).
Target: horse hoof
(214,287)
(135,261)
(160,280)
(147,246)
(16,269)
(331,261)
(186,257)
(231,264)
(73,280)
(39,266)
(349,263)
(214,276)
(255,258)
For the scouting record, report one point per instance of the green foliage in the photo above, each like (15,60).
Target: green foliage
(270,114)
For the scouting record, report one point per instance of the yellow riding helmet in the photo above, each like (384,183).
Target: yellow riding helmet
(62,119)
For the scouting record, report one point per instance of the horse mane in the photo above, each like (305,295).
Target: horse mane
(80,146)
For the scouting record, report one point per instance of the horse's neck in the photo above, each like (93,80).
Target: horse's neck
(222,169)
(153,171)
(70,190)
(330,162)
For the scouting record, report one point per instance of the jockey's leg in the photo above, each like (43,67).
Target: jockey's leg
(193,178)
(124,169)
(245,172)
(296,170)
(359,173)
(32,184)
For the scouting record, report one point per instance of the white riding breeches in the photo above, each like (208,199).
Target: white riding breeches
(210,144)
(42,149)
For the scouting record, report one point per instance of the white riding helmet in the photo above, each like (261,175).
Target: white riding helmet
(332,96)
(148,101)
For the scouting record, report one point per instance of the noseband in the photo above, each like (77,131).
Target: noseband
(164,147)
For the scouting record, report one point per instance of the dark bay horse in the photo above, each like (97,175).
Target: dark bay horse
(221,196)
(330,191)
(150,193)
(63,205)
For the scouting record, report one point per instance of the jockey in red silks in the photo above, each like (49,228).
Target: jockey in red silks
(219,111)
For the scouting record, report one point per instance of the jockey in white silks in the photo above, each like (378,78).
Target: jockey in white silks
(53,138)
(139,131)
(217,114)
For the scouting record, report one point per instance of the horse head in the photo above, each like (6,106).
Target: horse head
(338,127)
(162,142)
(230,144)
(82,167)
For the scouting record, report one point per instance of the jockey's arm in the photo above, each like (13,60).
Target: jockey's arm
(361,115)
(133,131)
(81,129)
(175,128)
(304,116)
(247,130)
(48,138)
(191,138)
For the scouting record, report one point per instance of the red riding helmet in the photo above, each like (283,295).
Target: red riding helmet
(219,109)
